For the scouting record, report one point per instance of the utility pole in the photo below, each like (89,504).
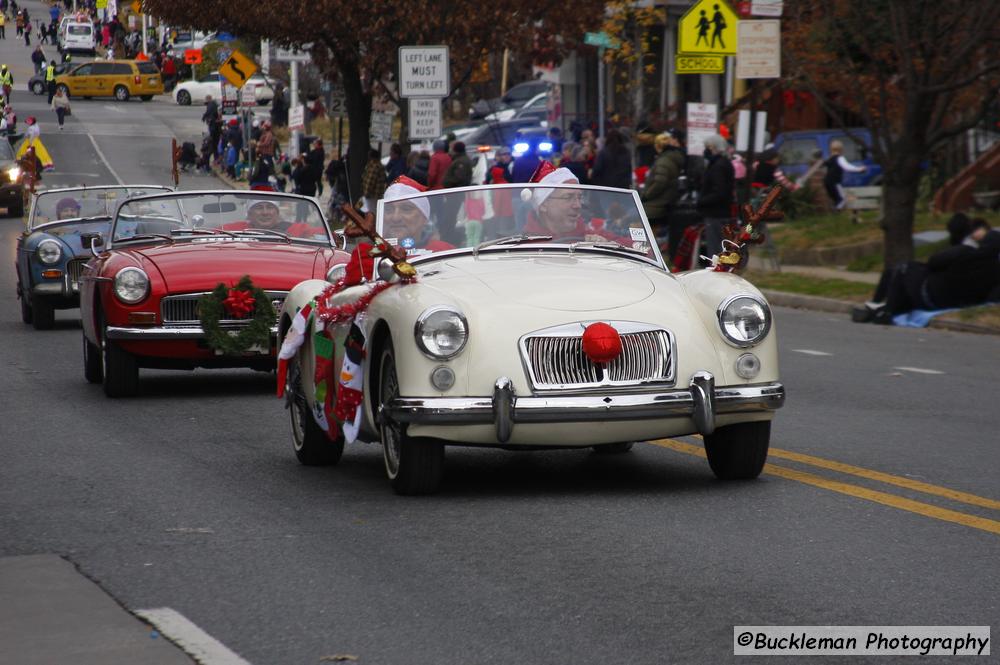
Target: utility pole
(293,149)
(600,92)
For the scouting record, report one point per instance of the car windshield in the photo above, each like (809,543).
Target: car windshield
(207,217)
(574,217)
(83,202)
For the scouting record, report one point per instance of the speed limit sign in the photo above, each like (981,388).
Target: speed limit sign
(338,103)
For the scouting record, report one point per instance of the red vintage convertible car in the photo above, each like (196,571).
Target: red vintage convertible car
(193,279)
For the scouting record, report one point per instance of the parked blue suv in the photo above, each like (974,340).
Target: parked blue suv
(797,149)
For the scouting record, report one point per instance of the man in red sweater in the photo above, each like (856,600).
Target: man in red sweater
(440,161)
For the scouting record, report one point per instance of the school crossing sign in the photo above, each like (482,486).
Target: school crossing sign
(708,28)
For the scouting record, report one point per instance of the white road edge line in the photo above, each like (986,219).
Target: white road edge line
(193,640)
(918,370)
(104,159)
(811,352)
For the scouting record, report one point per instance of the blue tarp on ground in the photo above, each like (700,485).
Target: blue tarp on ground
(918,318)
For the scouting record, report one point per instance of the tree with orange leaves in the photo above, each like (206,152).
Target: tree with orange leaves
(356,42)
(918,72)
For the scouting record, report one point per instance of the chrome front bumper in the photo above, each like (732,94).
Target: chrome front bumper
(702,401)
(162,333)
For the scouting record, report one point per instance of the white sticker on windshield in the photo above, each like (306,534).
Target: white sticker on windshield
(392,241)
(637,234)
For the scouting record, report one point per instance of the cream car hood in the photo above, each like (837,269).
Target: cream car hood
(566,283)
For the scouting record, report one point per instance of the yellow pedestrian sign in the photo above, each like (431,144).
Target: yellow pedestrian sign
(708,28)
(237,68)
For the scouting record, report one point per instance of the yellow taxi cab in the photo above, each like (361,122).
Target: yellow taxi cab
(120,79)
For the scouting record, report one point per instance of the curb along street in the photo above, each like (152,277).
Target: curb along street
(832,305)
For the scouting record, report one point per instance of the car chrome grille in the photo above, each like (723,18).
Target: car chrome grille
(557,362)
(182,310)
(74,268)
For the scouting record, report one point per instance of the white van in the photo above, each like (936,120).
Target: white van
(77,37)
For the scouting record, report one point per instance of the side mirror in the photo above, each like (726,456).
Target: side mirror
(92,240)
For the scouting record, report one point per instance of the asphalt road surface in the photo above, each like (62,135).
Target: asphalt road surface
(881,505)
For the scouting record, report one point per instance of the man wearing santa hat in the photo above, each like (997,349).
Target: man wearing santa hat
(560,213)
(409,221)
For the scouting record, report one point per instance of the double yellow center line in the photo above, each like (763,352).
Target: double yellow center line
(902,503)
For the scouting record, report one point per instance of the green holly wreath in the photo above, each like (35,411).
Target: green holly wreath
(237,301)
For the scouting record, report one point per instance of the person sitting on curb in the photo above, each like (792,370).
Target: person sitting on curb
(967,273)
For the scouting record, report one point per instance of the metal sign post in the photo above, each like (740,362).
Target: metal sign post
(293,57)
(293,149)
(602,41)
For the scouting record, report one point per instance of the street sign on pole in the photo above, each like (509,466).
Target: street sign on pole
(290,55)
(601,39)
(759,54)
(297,118)
(230,98)
(708,28)
(247,97)
(237,68)
(766,8)
(338,103)
(424,71)
(381,129)
(699,64)
(192,56)
(424,118)
(702,122)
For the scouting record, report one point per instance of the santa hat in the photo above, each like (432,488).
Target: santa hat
(402,187)
(560,176)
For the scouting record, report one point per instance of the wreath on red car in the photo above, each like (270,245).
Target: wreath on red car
(237,302)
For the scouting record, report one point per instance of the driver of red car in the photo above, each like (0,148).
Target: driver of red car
(266,216)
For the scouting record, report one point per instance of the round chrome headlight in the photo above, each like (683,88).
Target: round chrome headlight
(441,332)
(49,251)
(131,285)
(744,320)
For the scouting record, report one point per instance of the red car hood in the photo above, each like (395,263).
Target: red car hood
(200,266)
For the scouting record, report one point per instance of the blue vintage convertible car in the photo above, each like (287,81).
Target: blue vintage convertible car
(55,244)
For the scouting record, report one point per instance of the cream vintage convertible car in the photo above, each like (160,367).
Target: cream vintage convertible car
(545,317)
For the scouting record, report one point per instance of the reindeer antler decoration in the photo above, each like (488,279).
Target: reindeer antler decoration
(740,237)
(363,226)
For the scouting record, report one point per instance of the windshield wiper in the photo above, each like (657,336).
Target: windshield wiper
(148,236)
(509,240)
(613,245)
(265,232)
(205,231)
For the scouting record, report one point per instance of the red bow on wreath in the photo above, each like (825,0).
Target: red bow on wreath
(239,303)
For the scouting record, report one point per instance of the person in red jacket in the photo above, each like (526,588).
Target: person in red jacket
(440,161)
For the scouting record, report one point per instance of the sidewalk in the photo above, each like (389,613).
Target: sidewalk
(52,613)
